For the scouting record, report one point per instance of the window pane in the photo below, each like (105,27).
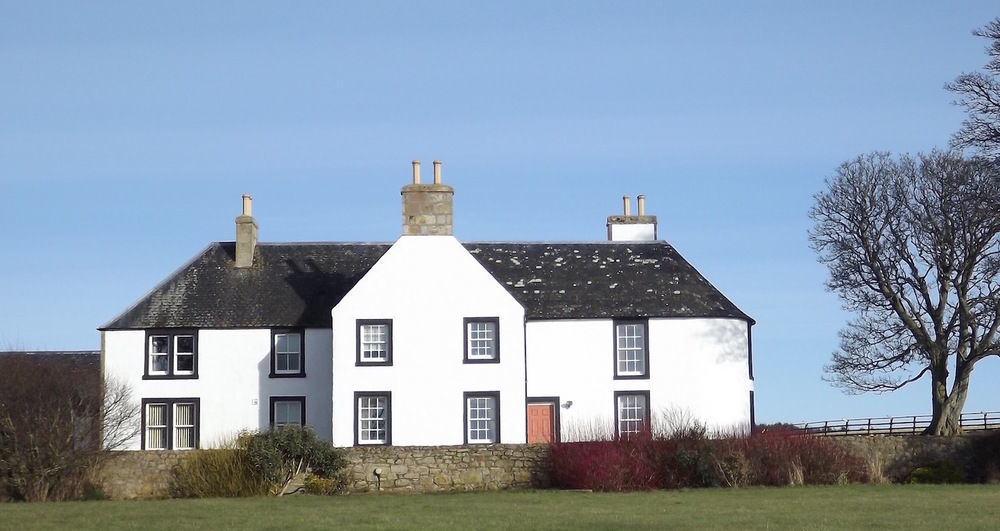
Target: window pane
(287,412)
(158,345)
(482,419)
(287,352)
(482,339)
(631,348)
(372,419)
(631,414)
(373,342)
(185,363)
(156,426)
(184,344)
(185,439)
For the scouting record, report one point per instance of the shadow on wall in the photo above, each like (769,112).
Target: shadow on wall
(728,337)
(318,290)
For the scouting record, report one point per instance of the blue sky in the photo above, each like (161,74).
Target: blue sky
(129,130)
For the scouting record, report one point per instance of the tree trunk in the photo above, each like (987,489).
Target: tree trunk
(947,410)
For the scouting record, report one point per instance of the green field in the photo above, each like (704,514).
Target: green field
(850,507)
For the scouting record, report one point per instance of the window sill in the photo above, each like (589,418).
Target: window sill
(287,375)
(387,363)
(632,376)
(483,360)
(169,376)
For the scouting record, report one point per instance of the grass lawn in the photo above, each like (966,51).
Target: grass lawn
(850,507)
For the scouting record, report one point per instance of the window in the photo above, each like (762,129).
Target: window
(287,354)
(372,418)
(171,354)
(631,413)
(374,342)
(631,350)
(170,423)
(288,410)
(482,417)
(482,339)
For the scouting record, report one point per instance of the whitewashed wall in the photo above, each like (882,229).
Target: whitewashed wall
(427,285)
(624,232)
(697,367)
(233,383)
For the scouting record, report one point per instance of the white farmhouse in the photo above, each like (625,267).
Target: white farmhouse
(431,341)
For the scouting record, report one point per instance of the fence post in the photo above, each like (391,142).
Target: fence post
(890,424)
(914,424)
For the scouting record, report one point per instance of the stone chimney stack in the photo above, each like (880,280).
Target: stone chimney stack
(246,234)
(427,208)
(632,228)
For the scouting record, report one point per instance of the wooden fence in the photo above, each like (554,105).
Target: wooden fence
(912,424)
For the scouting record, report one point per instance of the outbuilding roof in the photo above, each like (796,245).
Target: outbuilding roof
(297,284)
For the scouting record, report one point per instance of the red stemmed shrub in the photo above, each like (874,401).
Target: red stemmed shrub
(691,459)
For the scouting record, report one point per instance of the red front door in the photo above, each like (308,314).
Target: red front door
(541,425)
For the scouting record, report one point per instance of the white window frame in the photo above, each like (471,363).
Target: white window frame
(160,428)
(363,417)
(372,349)
(170,428)
(482,339)
(476,424)
(277,401)
(151,355)
(172,355)
(178,426)
(631,413)
(177,354)
(288,353)
(631,343)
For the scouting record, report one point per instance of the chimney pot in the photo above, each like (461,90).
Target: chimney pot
(641,199)
(416,171)
(247,205)
(437,172)
(627,203)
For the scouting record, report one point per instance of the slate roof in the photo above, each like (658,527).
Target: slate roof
(602,280)
(297,284)
(77,362)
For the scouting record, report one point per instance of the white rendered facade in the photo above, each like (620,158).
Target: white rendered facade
(234,387)
(428,286)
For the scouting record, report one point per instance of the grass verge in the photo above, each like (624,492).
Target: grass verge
(830,507)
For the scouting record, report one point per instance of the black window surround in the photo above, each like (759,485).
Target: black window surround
(495,342)
(275,399)
(645,348)
(359,326)
(646,416)
(495,395)
(358,395)
(301,373)
(170,403)
(171,335)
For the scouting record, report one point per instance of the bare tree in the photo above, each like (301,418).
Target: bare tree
(913,248)
(58,424)
(979,93)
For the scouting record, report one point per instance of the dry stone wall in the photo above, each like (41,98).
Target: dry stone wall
(146,474)
(143,474)
(898,455)
(442,468)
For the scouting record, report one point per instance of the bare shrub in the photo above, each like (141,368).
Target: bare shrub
(52,416)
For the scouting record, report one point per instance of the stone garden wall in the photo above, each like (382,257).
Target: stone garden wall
(898,455)
(512,466)
(400,469)
(139,474)
(440,468)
